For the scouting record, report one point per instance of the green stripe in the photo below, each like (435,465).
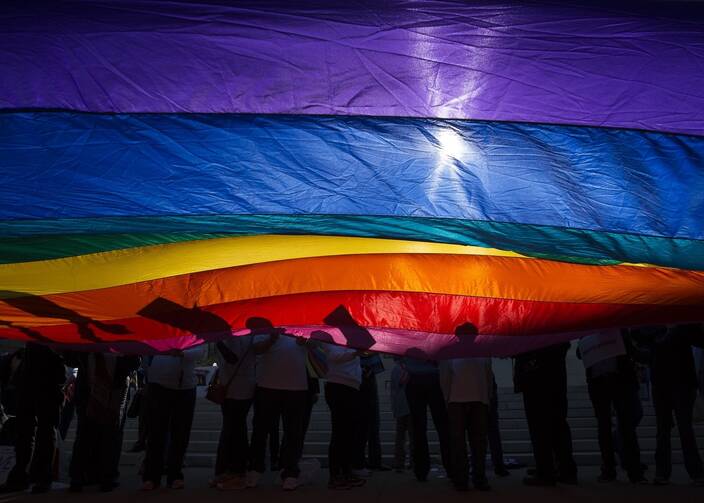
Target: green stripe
(30,249)
(26,240)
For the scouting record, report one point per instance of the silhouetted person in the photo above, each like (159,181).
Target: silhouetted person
(342,395)
(612,383)
(541,376)
(423,391)
(171,403)
(236,372)
(674,385)
(40,396)
(101,403)
(466,384)
(282,387)
(369,395)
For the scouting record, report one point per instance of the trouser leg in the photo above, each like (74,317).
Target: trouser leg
(438,411)
(662,401)
(374,440)
(292,412)
(535,408)
(561,433)
(400,442)
(82,446)
(417,402)
(266,415)
(478,415)
(626,423)
(494,432)
(333,399)
(48,415)
(684,407)
(459,472)
(159,411)
(600,395)
(180,434)
(223,458)
(240,438)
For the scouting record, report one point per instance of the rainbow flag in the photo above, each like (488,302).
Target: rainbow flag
(376,175)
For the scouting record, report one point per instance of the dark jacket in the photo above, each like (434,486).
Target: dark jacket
(42,371)
(541,368)
(672,362)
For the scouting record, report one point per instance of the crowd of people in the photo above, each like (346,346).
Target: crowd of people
(280,377)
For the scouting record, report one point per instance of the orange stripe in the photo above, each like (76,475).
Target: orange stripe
(480,276)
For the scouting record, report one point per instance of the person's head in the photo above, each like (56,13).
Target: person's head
(466,330)
(259,325)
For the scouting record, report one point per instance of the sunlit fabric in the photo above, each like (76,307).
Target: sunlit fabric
(375,176)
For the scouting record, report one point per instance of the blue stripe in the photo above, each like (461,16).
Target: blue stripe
(72,165)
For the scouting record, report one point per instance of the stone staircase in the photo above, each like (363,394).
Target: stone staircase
(516,442)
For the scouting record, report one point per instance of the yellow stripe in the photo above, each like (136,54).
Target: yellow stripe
(121,267)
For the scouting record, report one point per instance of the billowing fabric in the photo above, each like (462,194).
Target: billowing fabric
(376,176)
(27,240)
(633,65)
(102,270)
(413,310)
(86,165)
(468,275)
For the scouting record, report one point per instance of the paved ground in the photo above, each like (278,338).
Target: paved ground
(389,487)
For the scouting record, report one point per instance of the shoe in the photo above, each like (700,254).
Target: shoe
(353,481)
(42,488)
(138,447)
(290,484)
(482,485)
(233,483)
(502,472)
(380,468)
(177,484)
(338,484)
(641,480)
(148,485)
(534,481)
(252,478)
(607,476)
(399,469)
(661,481)
(698,482)
(13,488)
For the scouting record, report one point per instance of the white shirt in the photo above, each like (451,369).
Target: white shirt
(243,384)
(175,372)
(342,369)
(467,380)
(283,366)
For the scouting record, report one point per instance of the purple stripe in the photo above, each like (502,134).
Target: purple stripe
(550,62)
(423,345)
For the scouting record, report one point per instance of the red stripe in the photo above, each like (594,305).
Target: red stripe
(420,312)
